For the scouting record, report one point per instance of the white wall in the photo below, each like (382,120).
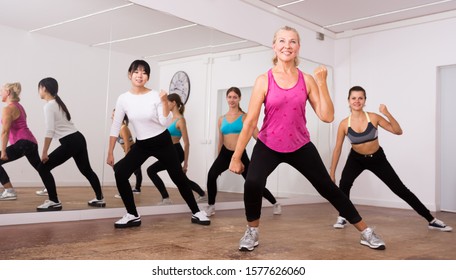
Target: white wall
(398,68)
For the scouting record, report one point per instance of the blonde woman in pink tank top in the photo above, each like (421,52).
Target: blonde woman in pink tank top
(284,90)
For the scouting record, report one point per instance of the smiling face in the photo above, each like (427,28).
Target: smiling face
(233,99)
(286,45)
(138,77)
(357,100)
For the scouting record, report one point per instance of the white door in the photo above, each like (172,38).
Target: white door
(447,86)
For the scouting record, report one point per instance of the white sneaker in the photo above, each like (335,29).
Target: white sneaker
(437,224)
(117,196)
(369,238)
(277,209)
(201,198)
(42,192)
(210,210)
(49,205)
(249,241)
(8,194)
(201,218)
(340,223)
(166,201)
(97,202)
(128,220)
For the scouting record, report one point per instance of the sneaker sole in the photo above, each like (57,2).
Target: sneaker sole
(49,209)
(41,194)
(197,221)
(8,198)
(338,226)
(247,249)
(100,205)
(381,247)
(129,224)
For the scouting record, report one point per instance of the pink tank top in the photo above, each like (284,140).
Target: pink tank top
(284,126)
(19,129)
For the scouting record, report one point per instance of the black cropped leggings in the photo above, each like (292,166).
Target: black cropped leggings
(162,148)
(220,165)
(157,166)
(308,162)
(71,146)
(17,150)
(379,165)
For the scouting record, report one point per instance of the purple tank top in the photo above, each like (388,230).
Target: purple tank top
(284,126)
(19,129)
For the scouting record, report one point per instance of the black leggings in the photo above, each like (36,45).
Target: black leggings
(153,170)
(17,150)
(220,165)
(71,146)
(379,165)
(308,162)
(162,148)
(138,175)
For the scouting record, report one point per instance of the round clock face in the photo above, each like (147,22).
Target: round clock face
(180,84)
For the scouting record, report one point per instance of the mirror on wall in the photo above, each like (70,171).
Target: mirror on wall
(88,49)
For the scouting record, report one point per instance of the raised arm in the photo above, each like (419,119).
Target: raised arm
(319,97)
(391,124)
(250,123)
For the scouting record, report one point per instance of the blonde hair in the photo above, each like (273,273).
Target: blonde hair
(286,28)
(14,90)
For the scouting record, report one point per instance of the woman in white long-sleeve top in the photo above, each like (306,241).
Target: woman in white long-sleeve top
(149,116)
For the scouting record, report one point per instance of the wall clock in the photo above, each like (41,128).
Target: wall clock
(180,84)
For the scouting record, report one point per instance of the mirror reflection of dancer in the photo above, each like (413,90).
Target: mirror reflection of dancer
(229,127)
(361,128)
(178,130)
(284,136)
(72,145)
(125,139)
(149,116)
(16,132)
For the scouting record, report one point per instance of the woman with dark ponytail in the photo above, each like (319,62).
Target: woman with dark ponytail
(72,145)
(178,130)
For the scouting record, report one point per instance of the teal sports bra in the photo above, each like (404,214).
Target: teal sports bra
(172,128)
(234,127)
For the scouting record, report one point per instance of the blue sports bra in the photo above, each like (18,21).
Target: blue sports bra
(370,134)
(172,128)
(234,127)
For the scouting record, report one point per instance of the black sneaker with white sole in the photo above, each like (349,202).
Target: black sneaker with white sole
(128,220)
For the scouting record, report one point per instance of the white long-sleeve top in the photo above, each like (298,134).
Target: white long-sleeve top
(56,123)
(145,113)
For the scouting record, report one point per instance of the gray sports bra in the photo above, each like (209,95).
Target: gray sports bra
(370,134)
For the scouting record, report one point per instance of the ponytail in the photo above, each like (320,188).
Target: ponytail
(52,87)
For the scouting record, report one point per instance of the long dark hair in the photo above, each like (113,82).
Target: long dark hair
(238,93)
(174,97)
(51,86)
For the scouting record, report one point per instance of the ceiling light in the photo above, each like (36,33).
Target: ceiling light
(198,48)
(385,14)
(82,17)
(144,35)
(290,3)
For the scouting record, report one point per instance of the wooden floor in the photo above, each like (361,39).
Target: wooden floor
(302,232)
